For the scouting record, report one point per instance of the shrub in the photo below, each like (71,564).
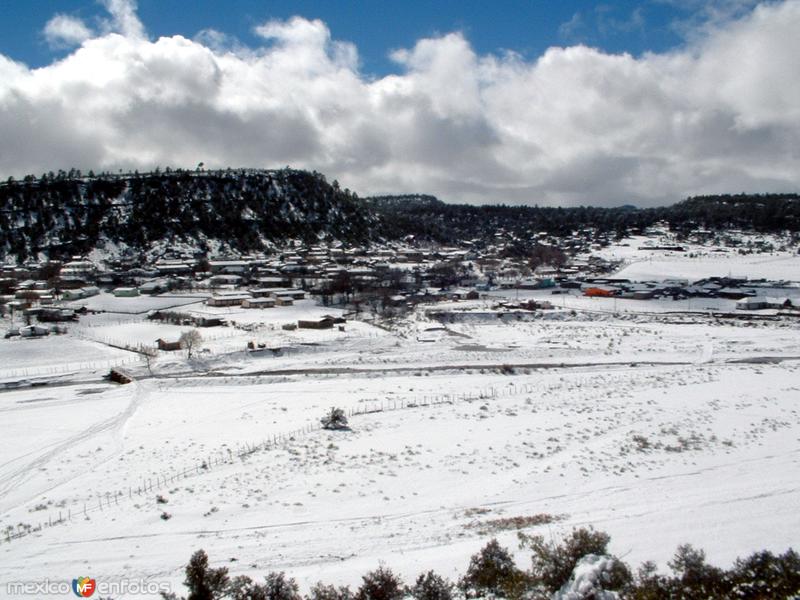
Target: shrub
(596,577)
(696,578)
(336,419)
(380,584)
(328,592)
(647,584)
(203,583)
(431,586)
(764,575)
(244,588)
(279,587)
(577,568)
(552,563)
(491,571)
(276,587)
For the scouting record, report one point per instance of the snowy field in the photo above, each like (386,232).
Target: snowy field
(56,356)
(656,426)
(137,305)
(642,263)
(637,412)
(779,266)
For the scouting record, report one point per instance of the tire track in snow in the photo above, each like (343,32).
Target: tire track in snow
(11,480)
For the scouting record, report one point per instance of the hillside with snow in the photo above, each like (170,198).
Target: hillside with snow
(61,215)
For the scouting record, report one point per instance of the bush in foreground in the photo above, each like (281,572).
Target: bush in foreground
(380,584)
(578,567)
(430,586)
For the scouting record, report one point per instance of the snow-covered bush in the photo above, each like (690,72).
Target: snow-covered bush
(335,419)
(595,577)
(552,563)
(430,586)
(491,572)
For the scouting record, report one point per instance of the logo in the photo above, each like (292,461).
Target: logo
(83,587)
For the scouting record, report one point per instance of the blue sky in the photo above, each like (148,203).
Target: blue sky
(377,27)
(519,102)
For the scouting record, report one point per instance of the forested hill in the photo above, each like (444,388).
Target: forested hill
(67,213)
(428,219)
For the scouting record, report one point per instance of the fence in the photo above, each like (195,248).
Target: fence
(64,368)
(105,501)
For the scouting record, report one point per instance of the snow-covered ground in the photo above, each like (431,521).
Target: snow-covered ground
(137,305)
(756,266)
(641,263)
(658,428)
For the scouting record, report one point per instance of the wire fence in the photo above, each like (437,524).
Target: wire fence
(66,367)
(102,502)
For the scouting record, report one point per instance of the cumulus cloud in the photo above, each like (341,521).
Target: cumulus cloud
(63,31)
(123,18)
(574,126)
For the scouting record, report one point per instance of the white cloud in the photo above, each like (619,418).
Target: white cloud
(123,18)
(574,126)
(63,31)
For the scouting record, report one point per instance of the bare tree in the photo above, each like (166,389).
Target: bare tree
(149,356)
(190,341)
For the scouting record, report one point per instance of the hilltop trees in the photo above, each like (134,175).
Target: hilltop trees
(66,214)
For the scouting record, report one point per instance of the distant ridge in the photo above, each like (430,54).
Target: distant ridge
(406,200)
(198,211)
(243,209)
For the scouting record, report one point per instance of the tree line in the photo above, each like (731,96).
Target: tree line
(577,567)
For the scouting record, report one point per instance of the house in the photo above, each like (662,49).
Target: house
(80,293)
(153,287)
(599,292)
(222,280)
(461,294)
(126,292)
(293,293)
(753,303)
(258,303)
(207,321)
(78,268)
(228,266)
(228,299)
(173,268)
(323,323)
(271,282)
(262,292)
(168,346)
(779,303)
(734,293)
(33,331)
(54,315)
